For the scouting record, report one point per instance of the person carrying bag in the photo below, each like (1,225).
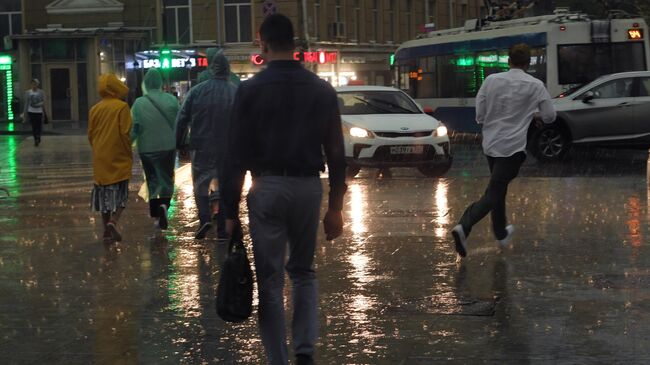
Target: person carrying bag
(153,132)
(234,299)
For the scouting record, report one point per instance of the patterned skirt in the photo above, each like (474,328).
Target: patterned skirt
(107,198)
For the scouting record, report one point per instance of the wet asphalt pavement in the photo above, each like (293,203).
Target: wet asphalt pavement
(573,289)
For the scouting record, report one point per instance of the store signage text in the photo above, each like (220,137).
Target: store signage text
(177,62)
(320,57)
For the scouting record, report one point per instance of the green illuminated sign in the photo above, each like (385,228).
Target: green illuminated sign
(465,61)
(5,66)
(165,59)
(488,59)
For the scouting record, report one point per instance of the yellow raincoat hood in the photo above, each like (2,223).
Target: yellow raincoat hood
(110,86)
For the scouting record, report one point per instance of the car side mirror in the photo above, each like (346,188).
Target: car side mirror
(428,110)
(589,96)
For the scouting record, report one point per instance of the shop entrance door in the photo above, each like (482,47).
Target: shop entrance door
(61,93)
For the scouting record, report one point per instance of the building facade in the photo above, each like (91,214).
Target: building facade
(342,40)
(67,44)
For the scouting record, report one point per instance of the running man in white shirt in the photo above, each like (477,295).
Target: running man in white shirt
(506,104)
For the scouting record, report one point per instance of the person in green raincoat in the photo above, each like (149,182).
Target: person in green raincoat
(154,124)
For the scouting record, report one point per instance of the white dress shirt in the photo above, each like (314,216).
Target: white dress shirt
(505,105)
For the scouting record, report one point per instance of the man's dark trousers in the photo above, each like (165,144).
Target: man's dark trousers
(36,119)
(284,211)
(502,171)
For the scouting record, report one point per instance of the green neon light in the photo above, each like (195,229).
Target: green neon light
(504,59)
(9,87)
(165,59)
(488,59)
(465,61)
(5,65)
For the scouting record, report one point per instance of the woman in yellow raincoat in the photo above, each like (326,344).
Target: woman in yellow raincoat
(109,125)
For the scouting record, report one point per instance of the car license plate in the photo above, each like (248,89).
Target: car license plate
(403,150)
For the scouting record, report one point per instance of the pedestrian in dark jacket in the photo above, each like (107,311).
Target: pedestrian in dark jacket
(205,115)
(283,118)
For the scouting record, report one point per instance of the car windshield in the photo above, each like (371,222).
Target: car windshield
(375,102)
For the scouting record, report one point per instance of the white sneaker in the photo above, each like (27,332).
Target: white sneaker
(460,240)
(504,242)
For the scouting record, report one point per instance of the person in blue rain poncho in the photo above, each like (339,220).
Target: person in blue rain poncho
(154,125)
(201,127)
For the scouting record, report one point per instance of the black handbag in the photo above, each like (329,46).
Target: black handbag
(235,289)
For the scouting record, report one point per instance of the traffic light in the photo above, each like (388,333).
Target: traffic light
(392,59)
(165,59)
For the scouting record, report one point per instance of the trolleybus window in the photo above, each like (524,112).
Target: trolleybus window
(582,63)
(460,75)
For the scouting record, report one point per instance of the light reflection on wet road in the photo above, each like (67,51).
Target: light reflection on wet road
(575,287)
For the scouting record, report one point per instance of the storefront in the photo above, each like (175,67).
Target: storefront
(180,68)
(68,63)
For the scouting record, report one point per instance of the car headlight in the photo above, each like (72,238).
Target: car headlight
(359,132)
(441,131)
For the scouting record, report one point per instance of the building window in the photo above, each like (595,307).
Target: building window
(238,20)
(409,19)
(338,12)
(452,14)
(391,21)
(178,21)
(375,21)
(430,11)
(316,22)
(357,21)
(10,19)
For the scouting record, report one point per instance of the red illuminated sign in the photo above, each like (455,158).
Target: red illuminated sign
(257,59)
(320,57)
(635,34)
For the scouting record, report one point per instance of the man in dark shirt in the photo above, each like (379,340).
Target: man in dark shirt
(283,118)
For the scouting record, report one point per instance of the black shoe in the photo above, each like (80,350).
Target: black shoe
(37,141)
(460,239)
(162,219)
(302,359)
(203,231)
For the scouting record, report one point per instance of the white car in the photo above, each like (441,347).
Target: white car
(383,127)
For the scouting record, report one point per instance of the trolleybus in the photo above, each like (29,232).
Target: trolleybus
(444,70)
